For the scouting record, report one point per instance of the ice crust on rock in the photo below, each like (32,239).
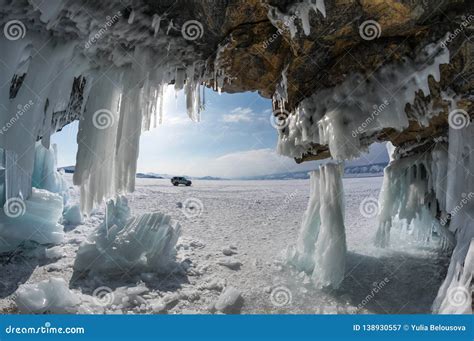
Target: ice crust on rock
(321,247)
(342,116)
(49,296)
(145,242)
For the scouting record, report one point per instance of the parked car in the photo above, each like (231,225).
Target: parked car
(180,180)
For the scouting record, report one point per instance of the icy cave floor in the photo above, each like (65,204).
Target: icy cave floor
(237,241)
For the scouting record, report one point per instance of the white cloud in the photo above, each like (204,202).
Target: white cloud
(251,163)
(239,114)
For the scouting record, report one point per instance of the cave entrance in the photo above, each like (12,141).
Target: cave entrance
(246,204)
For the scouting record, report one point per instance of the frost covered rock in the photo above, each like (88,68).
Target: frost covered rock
(73,215)
(138,243)
(230,301)
(48,296)
(35,219)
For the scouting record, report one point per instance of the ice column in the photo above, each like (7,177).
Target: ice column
(321,247)
(302,255)
(455,294)
(330,249)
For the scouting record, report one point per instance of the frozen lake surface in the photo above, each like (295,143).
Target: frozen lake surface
(255,221)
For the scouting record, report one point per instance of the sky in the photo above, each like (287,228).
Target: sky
(235,138)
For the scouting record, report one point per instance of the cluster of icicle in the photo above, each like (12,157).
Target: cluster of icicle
(431,196)
(299,10)
(116,103)
(344,116)
(413,198)
(321,247)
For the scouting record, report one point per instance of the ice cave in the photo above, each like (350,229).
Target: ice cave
(341,76)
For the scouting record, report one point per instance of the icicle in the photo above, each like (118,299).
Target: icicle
(298,10)
(131,18)
(358,108)
(156,22)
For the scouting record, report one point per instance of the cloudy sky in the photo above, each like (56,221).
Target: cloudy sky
(233,139)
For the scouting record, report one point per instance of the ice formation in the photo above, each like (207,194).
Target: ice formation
(35,219)
(123,243)
(45,173)
(455,294)
(298,10)
(115,95)
(413,198)
(321,247)
(49,296)
(344,116)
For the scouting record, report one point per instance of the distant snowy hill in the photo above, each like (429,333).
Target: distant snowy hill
(375,169)
(359,171)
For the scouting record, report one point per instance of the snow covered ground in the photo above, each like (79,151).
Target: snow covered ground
(233,234)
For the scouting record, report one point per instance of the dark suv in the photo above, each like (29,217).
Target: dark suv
(180,180)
